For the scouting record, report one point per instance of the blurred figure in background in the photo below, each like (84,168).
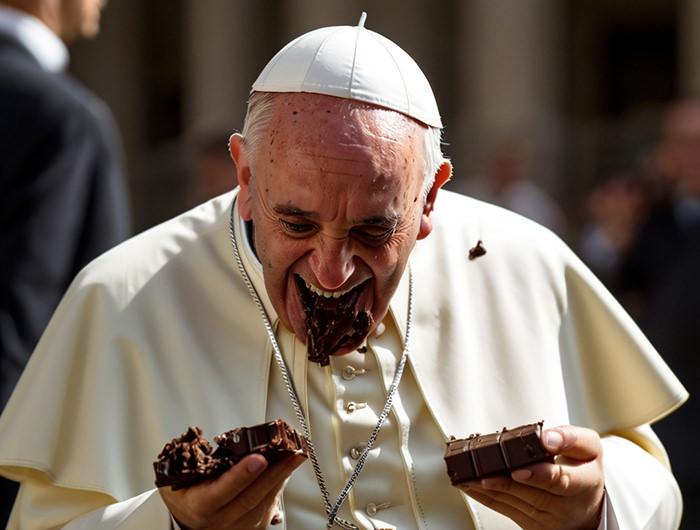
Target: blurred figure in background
(660,282)
(642,238)
(506,182)
(613,211)
(670,320)
(674,209)
(63,198)
(214,170)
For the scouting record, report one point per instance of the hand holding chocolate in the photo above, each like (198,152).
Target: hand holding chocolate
(189,459)
(494,454)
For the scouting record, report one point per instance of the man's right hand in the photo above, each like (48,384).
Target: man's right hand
(244,497)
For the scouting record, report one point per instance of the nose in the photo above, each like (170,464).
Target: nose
(332,262)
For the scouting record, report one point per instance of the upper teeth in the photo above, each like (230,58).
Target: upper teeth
(326,294)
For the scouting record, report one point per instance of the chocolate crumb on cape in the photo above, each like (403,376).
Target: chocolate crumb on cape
(477,251)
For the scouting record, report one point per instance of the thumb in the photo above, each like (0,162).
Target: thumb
(578,443)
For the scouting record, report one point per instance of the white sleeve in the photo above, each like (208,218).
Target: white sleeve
(143,511)
(642,494)
(608,521)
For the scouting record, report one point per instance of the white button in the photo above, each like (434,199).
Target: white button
(350,372)
(352,407)
(356,451)
(372,509)
(380,329)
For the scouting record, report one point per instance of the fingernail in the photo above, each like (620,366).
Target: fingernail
(553,439)
(488,483)
(255,465)
(522,474)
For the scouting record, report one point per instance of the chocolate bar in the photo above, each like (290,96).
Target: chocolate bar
(497,453)
(189,459)
(274,440)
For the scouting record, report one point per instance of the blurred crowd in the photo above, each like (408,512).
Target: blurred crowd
(641,236)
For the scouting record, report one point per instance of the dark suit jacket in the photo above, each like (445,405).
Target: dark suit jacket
(63,198)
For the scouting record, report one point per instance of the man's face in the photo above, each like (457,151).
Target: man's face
(80,19)
(335,200)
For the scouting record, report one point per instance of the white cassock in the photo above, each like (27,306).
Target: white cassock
(161,333)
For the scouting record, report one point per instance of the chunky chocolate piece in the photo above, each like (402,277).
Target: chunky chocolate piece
(275,440)
(189,459)
(332,323)
(494,454)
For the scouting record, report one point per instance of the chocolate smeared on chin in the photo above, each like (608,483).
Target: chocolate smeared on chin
(332,323)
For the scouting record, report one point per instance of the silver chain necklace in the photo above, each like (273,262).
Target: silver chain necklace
(331,510)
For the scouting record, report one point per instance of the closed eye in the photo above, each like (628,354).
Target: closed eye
(373,236)
(296,229)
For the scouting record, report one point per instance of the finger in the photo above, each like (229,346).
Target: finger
(212,495)
(577,443)
(244,473)
(260,501)
(526,515)
(261,516)
(272,480)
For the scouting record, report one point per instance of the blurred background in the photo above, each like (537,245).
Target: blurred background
(580,82)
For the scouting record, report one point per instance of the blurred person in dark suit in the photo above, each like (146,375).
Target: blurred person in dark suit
(674,213)
(670,321)
(659,284)
(63,198)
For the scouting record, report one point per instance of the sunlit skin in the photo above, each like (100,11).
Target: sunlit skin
(71,20)
(80,19)
(335,198)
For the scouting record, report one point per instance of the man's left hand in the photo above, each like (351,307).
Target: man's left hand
(566,494)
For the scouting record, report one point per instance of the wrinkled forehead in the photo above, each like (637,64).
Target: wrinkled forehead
(331,124)
(338,118)
(311,133)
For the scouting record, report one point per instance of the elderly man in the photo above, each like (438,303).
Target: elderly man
(338,289)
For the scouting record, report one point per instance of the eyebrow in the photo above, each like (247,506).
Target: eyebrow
(293,211)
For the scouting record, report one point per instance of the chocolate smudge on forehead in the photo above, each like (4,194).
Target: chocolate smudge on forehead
(332,323)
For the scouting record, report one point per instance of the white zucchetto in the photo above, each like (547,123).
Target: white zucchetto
(355,63)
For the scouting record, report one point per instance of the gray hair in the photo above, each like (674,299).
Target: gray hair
(261,110)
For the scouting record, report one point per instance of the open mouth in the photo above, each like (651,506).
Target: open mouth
(333,320)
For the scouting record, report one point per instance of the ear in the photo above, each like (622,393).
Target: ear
(237,151)
(443,175)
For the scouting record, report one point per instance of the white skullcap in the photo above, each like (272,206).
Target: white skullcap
(354,63)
